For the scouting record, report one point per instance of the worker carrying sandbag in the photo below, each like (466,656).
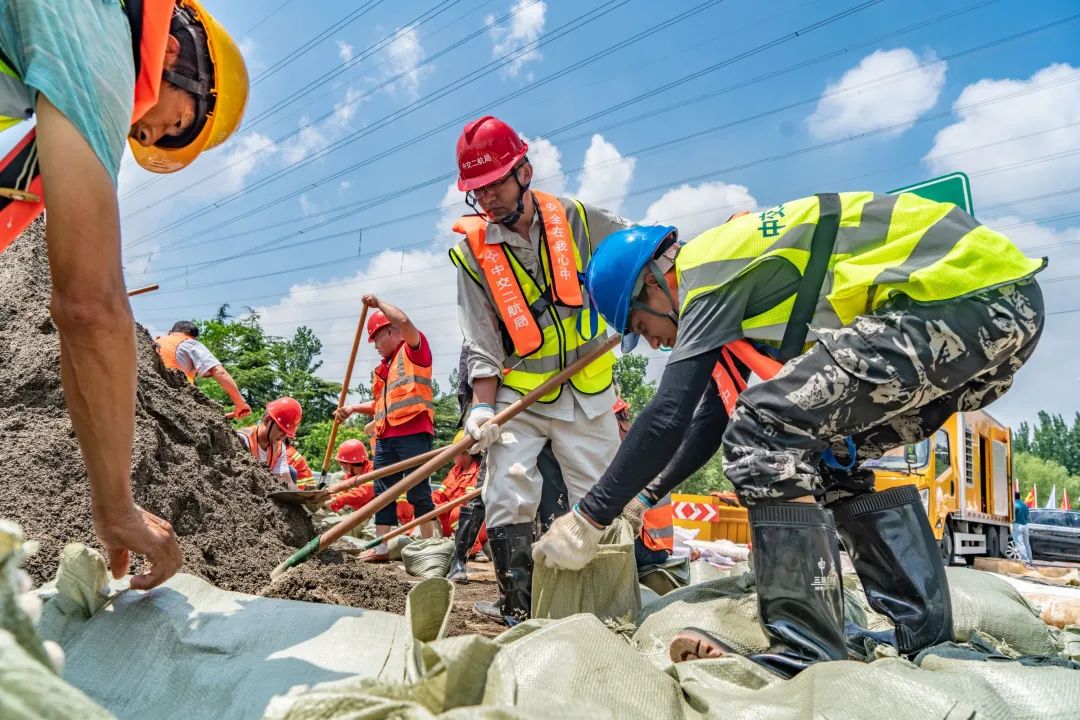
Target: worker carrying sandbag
(918,311)
(403,411)
(524,320)
(167,78)
(461,479)
(181,350)
(265,439)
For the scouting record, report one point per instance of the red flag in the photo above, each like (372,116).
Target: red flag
(1065,500)
(1032,499)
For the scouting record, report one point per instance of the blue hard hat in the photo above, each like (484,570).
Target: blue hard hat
(615,269)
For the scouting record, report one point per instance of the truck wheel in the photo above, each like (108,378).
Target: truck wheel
(947,546)
(993,541)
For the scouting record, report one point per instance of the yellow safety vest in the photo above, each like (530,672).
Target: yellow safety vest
(568,333)
(886,245)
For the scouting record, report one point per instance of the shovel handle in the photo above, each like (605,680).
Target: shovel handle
(447,454)
(144,289)
(344,392)
(417,522)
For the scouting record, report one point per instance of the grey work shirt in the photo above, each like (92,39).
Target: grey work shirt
(480,320)
(193,356)
(714,319)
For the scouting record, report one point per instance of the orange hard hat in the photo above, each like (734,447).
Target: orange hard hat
(487,150)
(352,452)
(287,413)
(620,406)
(376,322)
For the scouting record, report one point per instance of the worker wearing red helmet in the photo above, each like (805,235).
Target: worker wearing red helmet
(264,439)
(403,410)
(525,317)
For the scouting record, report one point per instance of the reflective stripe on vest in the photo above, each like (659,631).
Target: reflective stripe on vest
(248,434)
(567,331)
(166,347)
(405,393)
(657,526)
(886,246)
(298,462)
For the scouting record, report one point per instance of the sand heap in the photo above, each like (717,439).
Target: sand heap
(187,467)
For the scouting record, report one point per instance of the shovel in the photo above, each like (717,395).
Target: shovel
(344,392)
(144,289)
(445,507)
(328,538)
(303,497)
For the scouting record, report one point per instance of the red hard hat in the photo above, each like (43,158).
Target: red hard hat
(619,406)
(352,452)
(487,150)
(377,321)
(286,412)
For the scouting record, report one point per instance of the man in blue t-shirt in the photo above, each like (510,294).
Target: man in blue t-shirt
(1020,529)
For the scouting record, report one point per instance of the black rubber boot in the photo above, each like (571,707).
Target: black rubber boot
(511,550)
(898,561)
(800,597)
(469,522)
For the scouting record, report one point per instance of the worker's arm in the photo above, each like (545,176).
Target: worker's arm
(697,448)
(97,342)
(364,408)
(653,438)
(397,318)
(222,377)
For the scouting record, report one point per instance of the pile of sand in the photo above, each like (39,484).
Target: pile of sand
(187,466)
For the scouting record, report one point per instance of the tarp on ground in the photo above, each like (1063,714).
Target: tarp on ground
(189,650)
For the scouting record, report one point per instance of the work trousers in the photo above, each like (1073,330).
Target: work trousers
(583,449)
(395,449)
(889,378)
(1022,538)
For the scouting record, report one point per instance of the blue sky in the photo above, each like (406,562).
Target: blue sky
(840,106)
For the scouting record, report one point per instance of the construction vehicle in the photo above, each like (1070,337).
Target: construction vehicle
(964,477)
(963,474)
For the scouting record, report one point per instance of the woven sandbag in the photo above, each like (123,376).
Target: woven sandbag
(428,558)
(992,606)
(607,587)
(396,544)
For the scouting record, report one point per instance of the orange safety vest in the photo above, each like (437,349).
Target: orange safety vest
(152,26)
(729,380)
(657,526)
(509,298)
(253,446)
(298,462)
(166,346)
(405,393)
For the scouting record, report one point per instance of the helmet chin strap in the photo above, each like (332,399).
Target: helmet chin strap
(673,313)
(515,215)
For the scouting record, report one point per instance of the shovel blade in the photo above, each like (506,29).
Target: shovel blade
(296,497)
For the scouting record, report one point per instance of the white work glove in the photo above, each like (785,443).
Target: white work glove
(570,544)
(478,424)
(635,510)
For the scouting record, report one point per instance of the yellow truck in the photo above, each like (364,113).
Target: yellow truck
(963,474)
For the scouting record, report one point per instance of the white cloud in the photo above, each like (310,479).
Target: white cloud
(345,51)
(404,52)
(343,186)
(546,160)
(962,145)
(307,206)
(242,156)
(421,282)
(451,207)
(525,27)
(874,95)
(313,137)
(606,177)
(252,59)
(696,208)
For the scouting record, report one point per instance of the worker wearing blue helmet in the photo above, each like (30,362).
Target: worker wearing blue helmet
(918,311)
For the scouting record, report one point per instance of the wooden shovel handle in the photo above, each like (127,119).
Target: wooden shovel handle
(417,522)
(344,390)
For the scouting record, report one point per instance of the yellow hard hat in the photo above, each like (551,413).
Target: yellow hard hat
(222,102)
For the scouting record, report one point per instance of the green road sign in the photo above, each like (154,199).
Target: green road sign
(954,188)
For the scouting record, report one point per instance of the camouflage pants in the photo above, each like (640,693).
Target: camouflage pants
(890,378)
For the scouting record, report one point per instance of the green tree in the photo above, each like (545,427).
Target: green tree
(1021,439)
(1031,470)
(629,373)
(313,443)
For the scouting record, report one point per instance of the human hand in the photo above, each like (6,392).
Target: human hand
(479,425)
(242,410)
(570,544)
(635,511)
(137,531)
(344,412)
(371,300)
